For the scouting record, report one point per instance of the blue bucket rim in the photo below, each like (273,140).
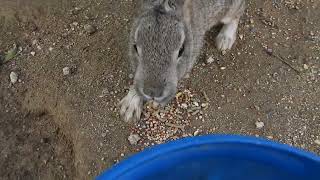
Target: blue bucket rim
(152,152)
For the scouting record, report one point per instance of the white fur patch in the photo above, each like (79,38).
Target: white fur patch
(131,106)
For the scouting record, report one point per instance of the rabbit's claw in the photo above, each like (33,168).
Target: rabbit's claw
(131,106)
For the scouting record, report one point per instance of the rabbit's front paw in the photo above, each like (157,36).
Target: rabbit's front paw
(227,35)
(225,40)
(131,106)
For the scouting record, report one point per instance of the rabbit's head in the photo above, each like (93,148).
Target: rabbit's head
(160,49)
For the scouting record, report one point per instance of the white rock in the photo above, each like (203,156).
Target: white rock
(133,139)
(196,133)
(317,142)
(204,105)
(33,53)
(210,60)
(184,105)
(34,42)
(75,23)
(196,104)
(270,137)
(259,125)
(104,134)
(13,77)
(66,71)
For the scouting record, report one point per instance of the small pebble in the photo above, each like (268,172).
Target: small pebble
(104,134)
(269,51)
(251,21)
(223,68)
(13,77)
(34,42)
(210,60)
(155,105)
(311,33)
(133,139)
(270,137)
(196,132)
(89,29)
(305,66)
(184,105)
(259,125)
(317,142)
(131,76)
(33,53)
(66,71)
(75,23)
(204,105)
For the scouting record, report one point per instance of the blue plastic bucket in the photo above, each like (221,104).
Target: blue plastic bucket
(218,157)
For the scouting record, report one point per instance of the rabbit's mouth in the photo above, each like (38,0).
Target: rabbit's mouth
(163,99)
(166,97)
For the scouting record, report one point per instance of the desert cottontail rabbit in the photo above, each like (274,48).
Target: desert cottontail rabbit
(165,41)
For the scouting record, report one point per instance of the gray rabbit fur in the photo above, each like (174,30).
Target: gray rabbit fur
(165,42)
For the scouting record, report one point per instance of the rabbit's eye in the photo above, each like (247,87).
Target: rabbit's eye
(181,51)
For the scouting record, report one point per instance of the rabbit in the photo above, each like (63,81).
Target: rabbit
(165,41)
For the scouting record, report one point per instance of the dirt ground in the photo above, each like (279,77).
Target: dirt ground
(56,126)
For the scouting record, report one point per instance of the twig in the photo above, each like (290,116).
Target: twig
(205,96)
(195,112)
(285,62)
(280,58)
